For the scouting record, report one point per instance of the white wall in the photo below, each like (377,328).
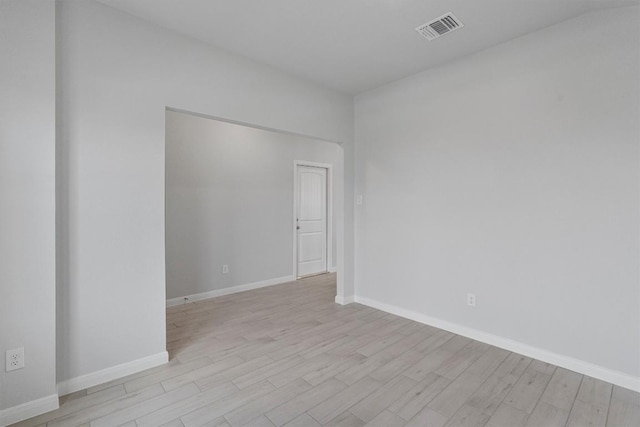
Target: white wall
(229,200)
(512,174)
(118,75)
(27,205)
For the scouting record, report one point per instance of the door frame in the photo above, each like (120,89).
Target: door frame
(329,243)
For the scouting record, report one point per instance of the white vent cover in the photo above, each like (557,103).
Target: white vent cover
(440,26)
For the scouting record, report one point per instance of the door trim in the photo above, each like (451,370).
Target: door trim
(329,168)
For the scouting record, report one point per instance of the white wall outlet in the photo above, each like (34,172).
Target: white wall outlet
(225,269)
(359,199)
(15,359)
(471,300)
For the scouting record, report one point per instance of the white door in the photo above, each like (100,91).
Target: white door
(311,220)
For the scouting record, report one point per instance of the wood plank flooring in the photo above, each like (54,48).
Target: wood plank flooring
(288,356)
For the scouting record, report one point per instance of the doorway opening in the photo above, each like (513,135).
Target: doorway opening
(313,218)
(230,206)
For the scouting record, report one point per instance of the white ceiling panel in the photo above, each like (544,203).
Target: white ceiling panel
(354,45)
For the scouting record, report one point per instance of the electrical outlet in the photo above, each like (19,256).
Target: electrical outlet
(471,300)
(15,359)
(225,269)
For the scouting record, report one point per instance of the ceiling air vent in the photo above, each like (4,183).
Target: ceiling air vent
(440,26)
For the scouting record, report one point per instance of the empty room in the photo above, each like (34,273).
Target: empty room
(320,213)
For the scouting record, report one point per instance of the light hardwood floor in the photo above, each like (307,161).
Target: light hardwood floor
(287,355)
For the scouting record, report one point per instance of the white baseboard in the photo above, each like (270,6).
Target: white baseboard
(113,373)
(567,362)
(344,300)
(332,269)
(28,410)
(230,290)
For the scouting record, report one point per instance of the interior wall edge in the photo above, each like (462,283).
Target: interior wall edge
(344,300)
(28,410)
(250,125)
(113,373)
(230,290)
(573,364)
